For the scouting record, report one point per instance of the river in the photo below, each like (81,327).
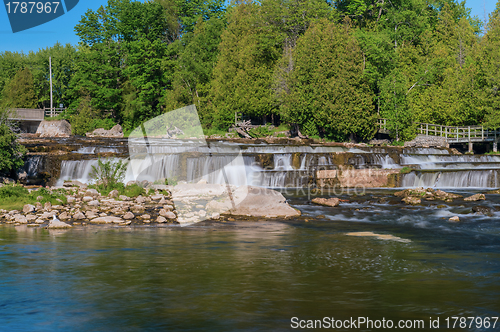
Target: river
(256,276)
(410,265)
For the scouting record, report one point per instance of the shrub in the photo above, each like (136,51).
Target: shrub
(405,170)
(11,152)
(108,174)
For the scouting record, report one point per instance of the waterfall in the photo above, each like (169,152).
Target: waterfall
(33,165)
(78,170)
(453,179)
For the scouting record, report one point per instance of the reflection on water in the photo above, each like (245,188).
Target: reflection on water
(240,276)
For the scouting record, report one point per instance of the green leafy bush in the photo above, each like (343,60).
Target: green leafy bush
(108,174)
(405,170)
(11,152)
(261,131)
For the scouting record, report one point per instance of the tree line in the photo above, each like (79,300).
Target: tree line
(332,68)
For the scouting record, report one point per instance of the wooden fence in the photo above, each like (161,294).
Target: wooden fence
(452,134)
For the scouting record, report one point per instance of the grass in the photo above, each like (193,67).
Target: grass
(397,143)
(405,170)
(14,197)
(492,153)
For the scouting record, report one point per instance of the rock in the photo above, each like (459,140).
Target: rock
(92,193)
(19,218)
(161,219)
(60,128)
(156,197)
(57,224)
(261,202)
(474,198)
(79,215)
(28,208)
(70,199)
(128,216)
(138,209)
(379,142)
(87,199)
(113,193)
(202,181)
(94,203)
(47,206)
(167,214)
(454,219)
(47,215)
(427,141)
(116,131)
(38,205)
(170,215)
(22,176)
(39,198)
(483,210)
(412,200)
(107,220)
(130,183)
(171,208)
(429,194)
(124,198)
(215,216)
(379,236)
(31,217)
(333,202)
(140,200)
(90,214)
(64,216)
(145,216)
(74,183)
(39,221)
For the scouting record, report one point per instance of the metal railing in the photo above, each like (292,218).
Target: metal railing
(451,133)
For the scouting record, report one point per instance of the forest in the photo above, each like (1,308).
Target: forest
(332,68)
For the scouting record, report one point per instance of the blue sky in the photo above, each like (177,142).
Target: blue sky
(61,29)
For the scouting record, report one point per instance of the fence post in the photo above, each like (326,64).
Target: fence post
(482,133)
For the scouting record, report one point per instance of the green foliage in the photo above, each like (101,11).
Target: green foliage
(329,94)
(108,174)
(261,131)
(14,196)
(408,60)
(11,152)
(52,196)
(405,170)
(394,106)
(244,71)
(19,92)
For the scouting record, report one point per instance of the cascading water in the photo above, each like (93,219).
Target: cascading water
(76,170)
(277,166)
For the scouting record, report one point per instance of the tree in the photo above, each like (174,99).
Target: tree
(244,72)
(19,91)
(489,70)
(11,152)
(394,107)
(329,93)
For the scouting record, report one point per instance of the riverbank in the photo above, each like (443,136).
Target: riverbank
(195,203)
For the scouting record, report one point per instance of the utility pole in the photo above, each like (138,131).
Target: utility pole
(50,74)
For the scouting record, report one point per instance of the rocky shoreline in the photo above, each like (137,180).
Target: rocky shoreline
(189,203)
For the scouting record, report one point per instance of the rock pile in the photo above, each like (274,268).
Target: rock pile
(415,196)
(89,207)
